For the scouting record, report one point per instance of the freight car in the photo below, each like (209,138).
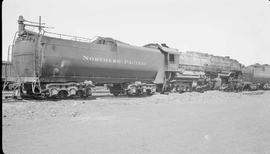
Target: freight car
(256,77)
(7,75)
(52,66)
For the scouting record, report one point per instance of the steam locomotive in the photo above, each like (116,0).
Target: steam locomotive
(56,65)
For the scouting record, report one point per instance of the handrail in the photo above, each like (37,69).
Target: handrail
(9,56)
(9,53)
(21,21)
(14,38)
(69,37)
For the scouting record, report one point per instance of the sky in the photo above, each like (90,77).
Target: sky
(236,28)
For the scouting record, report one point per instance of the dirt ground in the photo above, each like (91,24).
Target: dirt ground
(210,122)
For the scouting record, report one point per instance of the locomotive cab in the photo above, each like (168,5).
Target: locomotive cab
(171,56)
(171,61)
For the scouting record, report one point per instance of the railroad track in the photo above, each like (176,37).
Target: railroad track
(7,96)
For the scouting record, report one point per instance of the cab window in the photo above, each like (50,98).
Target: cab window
(171,58)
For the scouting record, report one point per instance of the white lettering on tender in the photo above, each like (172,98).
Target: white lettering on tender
(116,61)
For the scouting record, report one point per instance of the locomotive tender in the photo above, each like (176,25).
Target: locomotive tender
(62,67)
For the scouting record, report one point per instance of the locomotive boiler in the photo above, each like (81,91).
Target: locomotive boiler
(56,66)
(210,64)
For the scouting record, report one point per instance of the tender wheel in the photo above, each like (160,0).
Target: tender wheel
(128,93)
(148,92)
(62,94)
(88,92)
(116,93)
(17,93)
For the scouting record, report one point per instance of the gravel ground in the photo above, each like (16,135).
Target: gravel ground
(210,122)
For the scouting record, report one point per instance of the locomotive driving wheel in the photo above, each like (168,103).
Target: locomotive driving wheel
(80,93)
(88,92)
